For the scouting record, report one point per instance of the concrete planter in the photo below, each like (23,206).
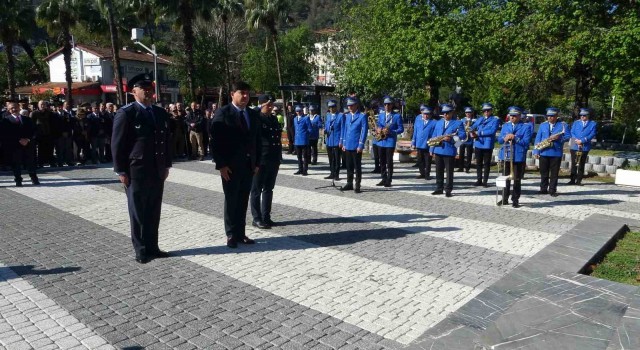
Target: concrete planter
(628,177)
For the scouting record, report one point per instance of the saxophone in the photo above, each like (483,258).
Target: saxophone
(383,133)
(548,142)
(372,121)
(437,141)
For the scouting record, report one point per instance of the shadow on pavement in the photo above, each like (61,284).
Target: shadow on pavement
(22,270)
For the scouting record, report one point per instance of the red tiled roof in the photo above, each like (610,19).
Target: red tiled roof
(105,53)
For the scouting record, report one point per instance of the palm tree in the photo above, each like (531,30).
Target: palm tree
(228,9)
(15,23)
(107,5)
(58,16)
(269,14)
(186,11)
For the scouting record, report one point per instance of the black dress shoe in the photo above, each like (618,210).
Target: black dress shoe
(515,204)
(142,259)
(419,177)
(260,224)
(161,254)
(231,243)
(381,183)
(578,183)
(376,171)
(437,192)
(572,182)
(388,184)
(357,190)
(554,194)
(467,171)
(448,194)
(297,172)
(460,170)
(328,177)
(428,177)
(34,180)
(477,183)
(485,185)
(247,240)
(502,202)
(270,222)
(305,173)
(337,178)
(542,192)
(18,183)
(347,187)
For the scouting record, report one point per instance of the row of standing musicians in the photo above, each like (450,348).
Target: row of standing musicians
(442,141)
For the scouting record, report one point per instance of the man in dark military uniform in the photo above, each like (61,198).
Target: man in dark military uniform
(140,148)
(265,179)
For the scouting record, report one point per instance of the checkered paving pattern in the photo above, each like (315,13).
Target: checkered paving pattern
(346,271)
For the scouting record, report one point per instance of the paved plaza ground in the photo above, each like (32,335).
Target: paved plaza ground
(376,270)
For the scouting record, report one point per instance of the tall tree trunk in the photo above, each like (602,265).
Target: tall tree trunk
(226,53)
(66,53)
(32,57)
(274,38)
(11,70)
(220,100)
(433,87)
(115,50)
(186,15)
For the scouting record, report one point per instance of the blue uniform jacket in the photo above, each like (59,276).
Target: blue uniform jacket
(447,148)
(355,131)
(316,124)
(556,149)
(486,129)
(394,121)
(583,133)
(333,128)
(464,122)
(521,142)
(303,130)
(422,131)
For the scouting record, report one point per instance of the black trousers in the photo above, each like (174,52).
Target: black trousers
(83,147)
(578,172)
(518,175)
(290,137)
(466,153)
(354,165)
(343,155)
(549,169)
(424,162)
(144,198)
(263,183)
(304,155)
(19,157)
(236,200)
(64,150)
(483,164)
(313,144)
(335,157)
(444,163)
(45,150)
(386,163)
(376,157)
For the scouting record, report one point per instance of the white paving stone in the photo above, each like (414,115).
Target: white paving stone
(502,238)
(18,294)
(307,274)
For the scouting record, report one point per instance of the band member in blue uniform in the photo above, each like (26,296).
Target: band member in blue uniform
(446,150)
(466,149)
(302,131)
(389,126)
(141,157)
(582,132)
(314,136)
(517,135)
(484,133)
(422,131)
(333,130)
(554,134)
(265,180)
(235,132)
(352,141)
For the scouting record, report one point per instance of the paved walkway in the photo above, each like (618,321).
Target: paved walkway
(370,271)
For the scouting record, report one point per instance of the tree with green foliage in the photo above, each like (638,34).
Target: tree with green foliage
(269,14)
(16,21)
(226,10)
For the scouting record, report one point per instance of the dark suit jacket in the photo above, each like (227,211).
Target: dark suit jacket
(11,133)
(230,142)
(140,147)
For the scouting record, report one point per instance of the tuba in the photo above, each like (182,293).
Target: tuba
(548,142)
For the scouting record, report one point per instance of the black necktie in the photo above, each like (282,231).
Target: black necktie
(150,111)
(243,121)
